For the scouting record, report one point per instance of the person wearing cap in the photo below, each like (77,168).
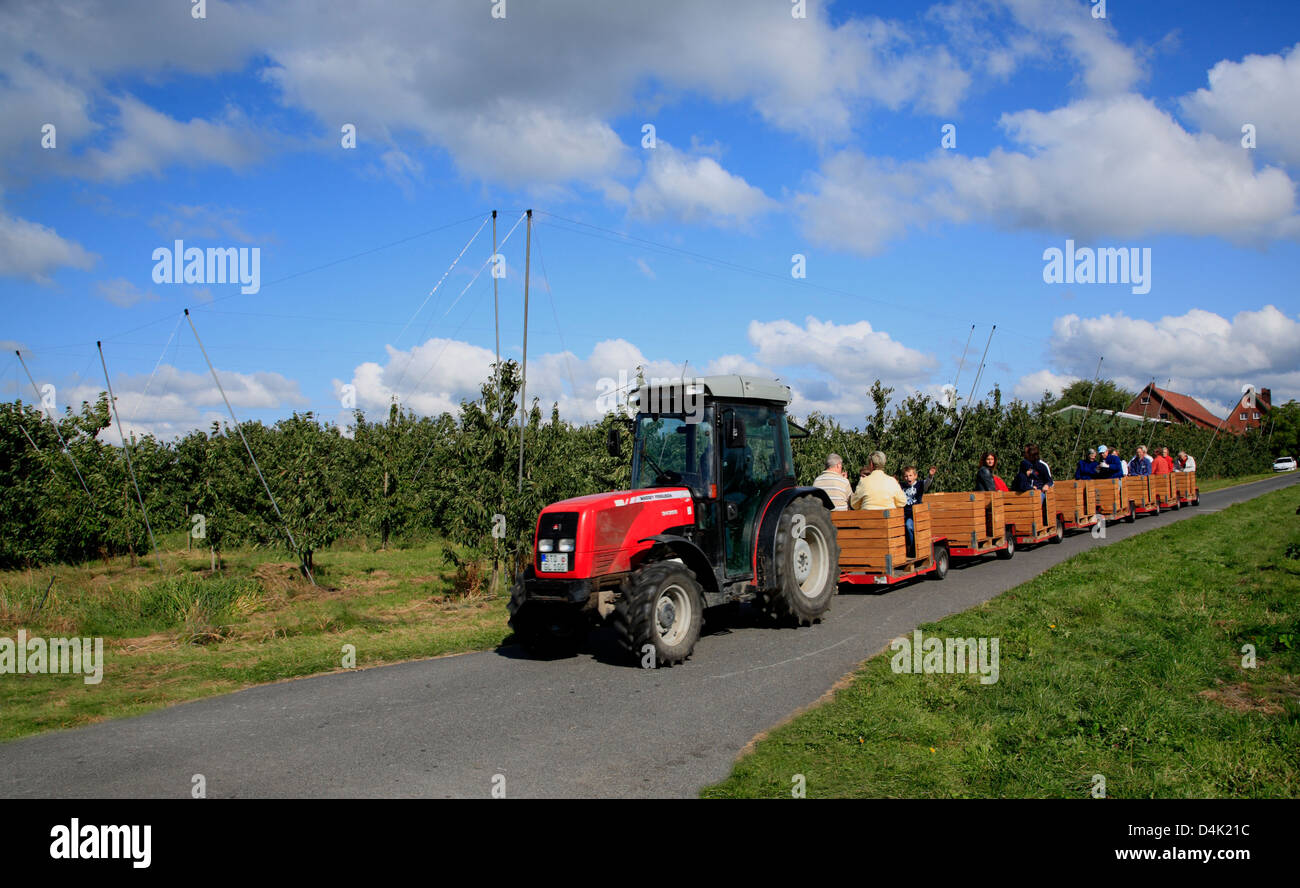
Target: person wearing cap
(1111,466)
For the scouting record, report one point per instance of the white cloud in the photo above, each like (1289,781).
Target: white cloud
(147,141)
(1116,167)
(1262,90)
(694,189)
(123,293)
(31,250)
(1031,386)
(1204,354)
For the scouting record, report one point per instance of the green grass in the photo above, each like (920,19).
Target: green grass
(186,632)
(1123,661)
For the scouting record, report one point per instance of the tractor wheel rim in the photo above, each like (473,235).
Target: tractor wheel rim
(673,614)
(811,562)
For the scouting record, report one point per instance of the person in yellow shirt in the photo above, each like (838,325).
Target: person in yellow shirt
(876,490)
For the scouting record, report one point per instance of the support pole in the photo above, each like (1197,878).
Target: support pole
(496,309)
(235,419)
(952,450)
(523,387)
(1088,409)
(57,431)
(126,449)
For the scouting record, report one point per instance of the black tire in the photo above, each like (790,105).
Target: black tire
(1132,515)
(660,605)
(545,629)
(1010,551)
(1059,536)
(941,560)
(808,568)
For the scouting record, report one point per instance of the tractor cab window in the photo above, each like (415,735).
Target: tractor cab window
(757,459)
(673,452)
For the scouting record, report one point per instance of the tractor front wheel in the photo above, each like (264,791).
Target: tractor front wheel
(807,563)
(658,616)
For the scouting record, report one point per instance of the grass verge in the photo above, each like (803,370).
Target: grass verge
(1124,661)
(189,632)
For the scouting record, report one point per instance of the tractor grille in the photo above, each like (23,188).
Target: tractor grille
(558,526)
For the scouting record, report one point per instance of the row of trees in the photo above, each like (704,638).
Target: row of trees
(408,476)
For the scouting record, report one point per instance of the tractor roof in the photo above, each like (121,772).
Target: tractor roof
(749,388)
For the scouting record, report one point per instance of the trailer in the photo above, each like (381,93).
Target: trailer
(1160,489)
(874,550)
(1108,500)
(1076,501)
(1137,494)
(974,523)
(1034,517)
(1185,488)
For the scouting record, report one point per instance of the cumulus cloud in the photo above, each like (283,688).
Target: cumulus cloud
(122,292)
(33,251)
(1117,167)
(693,189)
(1261,90)
(1031,386)
(1199,353)
(146,141)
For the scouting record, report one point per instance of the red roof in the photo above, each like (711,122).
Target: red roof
(1186,405)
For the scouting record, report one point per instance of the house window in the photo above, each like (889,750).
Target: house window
(1256,414)
(1146,400)
(1242,417)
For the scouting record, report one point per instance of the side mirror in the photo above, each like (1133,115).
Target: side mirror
(614,442)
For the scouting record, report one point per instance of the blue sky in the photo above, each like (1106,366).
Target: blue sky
(775,136)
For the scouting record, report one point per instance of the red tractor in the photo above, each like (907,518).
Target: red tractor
(714,516)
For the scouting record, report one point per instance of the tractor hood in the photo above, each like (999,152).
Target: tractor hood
(608,529)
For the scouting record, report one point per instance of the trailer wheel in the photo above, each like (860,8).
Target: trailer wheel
(1132,515)
(545,629)
(940,562)
(807,567)
(1010,551)
(1060,529)
(660,606)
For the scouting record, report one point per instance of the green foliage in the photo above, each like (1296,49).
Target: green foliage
(411,477)
(1107,396)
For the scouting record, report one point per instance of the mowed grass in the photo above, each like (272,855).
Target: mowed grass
(187,632)
(1125,661)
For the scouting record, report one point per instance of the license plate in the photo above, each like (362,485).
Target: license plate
(555,562)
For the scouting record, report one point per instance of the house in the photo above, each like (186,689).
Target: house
(1156,403)
(1250,413)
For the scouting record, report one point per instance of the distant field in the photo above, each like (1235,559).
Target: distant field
(1124,661)
(186,633)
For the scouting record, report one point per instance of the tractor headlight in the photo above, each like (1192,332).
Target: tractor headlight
(566,545)
(546,545)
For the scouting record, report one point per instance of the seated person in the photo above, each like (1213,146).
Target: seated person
(1110,465)
(1033,472)
(1140,464)
(876,490)
(835,482)
(986,477)
(913,490)
(1087,469)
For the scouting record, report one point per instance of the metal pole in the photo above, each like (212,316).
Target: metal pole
(126,449)
(1089,407)
(231,410)
(496,309)
(523,386)
(957,379)
(50,414)
(965,406)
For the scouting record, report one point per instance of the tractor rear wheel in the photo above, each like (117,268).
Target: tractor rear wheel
(545,629)
(807,565)
(661,606)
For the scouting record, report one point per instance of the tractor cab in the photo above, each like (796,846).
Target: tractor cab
(713,515)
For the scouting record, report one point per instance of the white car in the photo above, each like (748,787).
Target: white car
(1284,464)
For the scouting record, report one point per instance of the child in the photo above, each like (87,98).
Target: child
(913,490)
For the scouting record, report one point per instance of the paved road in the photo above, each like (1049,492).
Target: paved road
(583,726)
